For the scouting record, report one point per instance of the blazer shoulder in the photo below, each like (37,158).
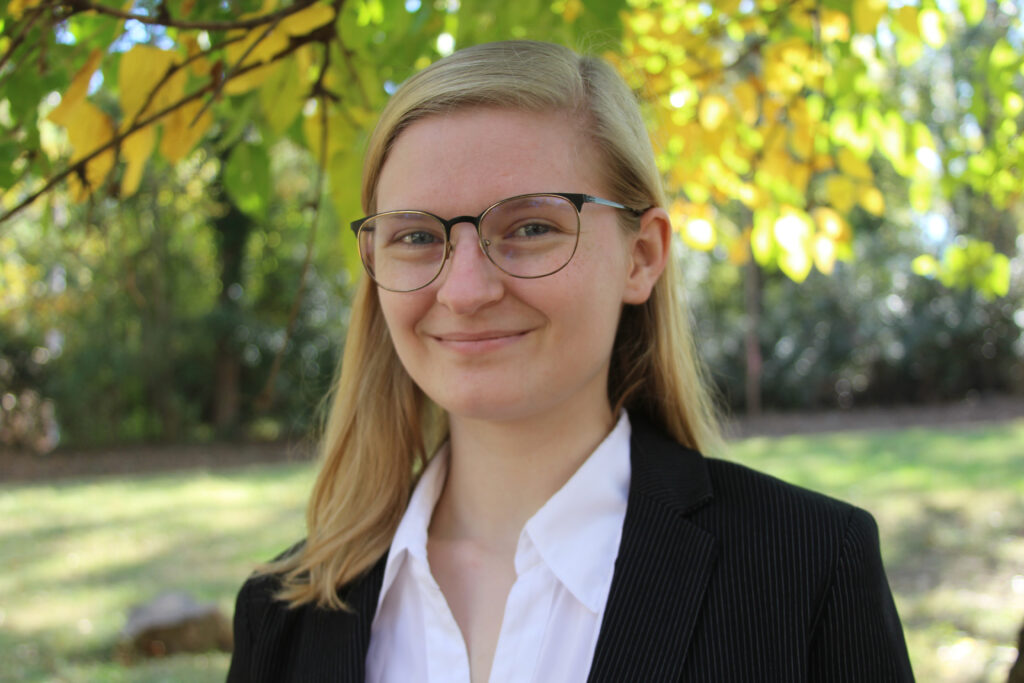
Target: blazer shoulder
(745,487)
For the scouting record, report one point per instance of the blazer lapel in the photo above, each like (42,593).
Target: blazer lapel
(351,630)
(663,568)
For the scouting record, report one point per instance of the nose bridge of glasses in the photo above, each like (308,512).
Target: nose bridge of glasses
(449,229)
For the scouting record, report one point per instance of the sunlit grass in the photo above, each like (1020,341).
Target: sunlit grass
(74,556)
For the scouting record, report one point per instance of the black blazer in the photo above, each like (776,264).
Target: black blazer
(723,575)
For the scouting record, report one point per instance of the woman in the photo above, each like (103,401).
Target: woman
(520,342)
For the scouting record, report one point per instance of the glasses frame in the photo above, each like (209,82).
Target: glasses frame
(576,199)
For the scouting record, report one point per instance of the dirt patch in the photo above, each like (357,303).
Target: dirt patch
(18,466)
(972,411)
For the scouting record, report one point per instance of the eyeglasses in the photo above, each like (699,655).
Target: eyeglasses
(526,236)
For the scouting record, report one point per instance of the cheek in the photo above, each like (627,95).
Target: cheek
(401,313)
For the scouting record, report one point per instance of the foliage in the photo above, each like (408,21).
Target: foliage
(771,113)
(799,138)
(871,333)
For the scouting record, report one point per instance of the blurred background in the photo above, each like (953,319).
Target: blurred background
(177,177)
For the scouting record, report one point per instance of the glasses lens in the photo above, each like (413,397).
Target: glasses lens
(402,250)
(531,236)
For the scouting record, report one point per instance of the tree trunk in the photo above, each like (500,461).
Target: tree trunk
(232,230)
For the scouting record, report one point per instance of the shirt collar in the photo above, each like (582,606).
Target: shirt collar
(411,535)
(577,532)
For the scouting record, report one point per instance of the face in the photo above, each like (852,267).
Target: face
(483,344)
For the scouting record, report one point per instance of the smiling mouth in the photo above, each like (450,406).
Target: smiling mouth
(479,342)
(478,336)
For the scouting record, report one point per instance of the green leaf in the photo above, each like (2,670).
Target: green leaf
(974,10)
(247,178)
(925,265)
(281,97)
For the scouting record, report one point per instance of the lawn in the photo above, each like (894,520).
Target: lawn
(75,555)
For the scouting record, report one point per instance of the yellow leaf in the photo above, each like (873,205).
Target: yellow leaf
(170,93)
(932,31)
(853,166)
(795,264)
(751,195)
(141,69)
(306,20)
(866,15)
(180,135)
(745,95)
(872,200)
(250,80)
(831,224)
(906,19)
(801,139)
(699,234)
(823,162)
(17,7)
(573,9)
(89,130)
(824,254)
(835,26)
(64,112)
(268,46)
(136,149)
(713,110)
(199,64)
(793,229)
(839,190)
(186,7)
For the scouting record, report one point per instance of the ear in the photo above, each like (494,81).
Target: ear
(650,249)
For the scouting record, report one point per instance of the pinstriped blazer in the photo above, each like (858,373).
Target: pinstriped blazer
(724,574)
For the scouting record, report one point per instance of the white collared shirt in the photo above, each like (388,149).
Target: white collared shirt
(564,562)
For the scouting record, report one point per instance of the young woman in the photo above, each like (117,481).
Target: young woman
(511,486)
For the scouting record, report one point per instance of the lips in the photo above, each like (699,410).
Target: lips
(479,342)
(477,336)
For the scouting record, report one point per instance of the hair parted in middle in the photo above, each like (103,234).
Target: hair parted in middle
(380,428)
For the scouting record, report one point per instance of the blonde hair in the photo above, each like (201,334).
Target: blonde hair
(380,428)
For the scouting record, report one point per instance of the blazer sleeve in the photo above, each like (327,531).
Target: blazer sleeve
(857,635)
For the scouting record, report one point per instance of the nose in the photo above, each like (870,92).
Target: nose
(469,281)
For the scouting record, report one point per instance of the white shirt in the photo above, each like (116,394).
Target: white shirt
(564,562)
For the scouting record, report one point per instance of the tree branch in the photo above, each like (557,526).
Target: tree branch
(115,141)
(233,71)
(78,6)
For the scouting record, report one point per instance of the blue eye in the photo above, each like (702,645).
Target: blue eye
(419,237)
(532,230)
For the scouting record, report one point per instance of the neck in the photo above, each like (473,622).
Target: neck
(501,473)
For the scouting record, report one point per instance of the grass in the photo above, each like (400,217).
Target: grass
(74,556)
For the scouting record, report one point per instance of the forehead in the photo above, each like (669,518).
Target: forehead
(466,160)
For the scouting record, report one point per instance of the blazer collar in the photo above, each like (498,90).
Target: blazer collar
(352,643)
(665,562)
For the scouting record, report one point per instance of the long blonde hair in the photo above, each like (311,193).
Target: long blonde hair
(380,428)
